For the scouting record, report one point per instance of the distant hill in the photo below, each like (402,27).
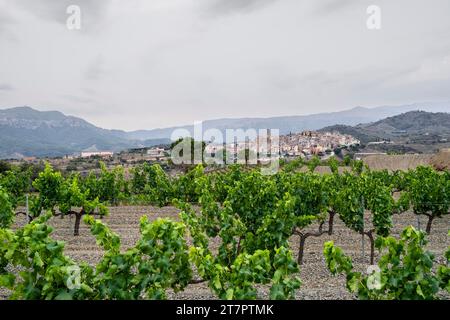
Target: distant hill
(27,132)
(288,124)
(356,132)
(414,129)
(412,123)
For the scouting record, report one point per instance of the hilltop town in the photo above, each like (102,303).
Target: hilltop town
(304,144)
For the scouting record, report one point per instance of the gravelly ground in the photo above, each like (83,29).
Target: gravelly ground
(317,283)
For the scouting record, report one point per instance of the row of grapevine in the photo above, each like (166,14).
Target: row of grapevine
(61,196)
(404,272)
(317,197)
(162,260)
(252,214)
(425,190)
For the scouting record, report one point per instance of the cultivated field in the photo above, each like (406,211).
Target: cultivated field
(317,282)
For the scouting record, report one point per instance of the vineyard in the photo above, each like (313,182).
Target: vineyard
(227,234)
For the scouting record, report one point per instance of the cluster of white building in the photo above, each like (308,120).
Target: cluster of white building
(314,143)
(299,144)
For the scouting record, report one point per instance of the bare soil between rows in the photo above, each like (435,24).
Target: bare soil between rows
(317,282)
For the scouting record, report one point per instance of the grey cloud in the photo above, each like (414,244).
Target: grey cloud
(170,62)
(231,6)
(286,81)
(6,87)
(91,11)
(321,78)
(89,91)
(6,21)
(95,69)
(77,99)
(331,6)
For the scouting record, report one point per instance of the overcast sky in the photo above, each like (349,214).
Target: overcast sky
(141,64)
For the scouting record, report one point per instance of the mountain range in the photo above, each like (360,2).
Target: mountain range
(288,124)
(413,131)
(406,127)
(25,131)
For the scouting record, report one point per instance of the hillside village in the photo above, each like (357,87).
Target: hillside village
(304,144)
(314,143)
(362,142)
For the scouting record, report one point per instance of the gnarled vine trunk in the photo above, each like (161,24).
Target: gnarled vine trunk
(331,222)
(30,218)
(369,234)
(78,216)
(429,223)
(320,232)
